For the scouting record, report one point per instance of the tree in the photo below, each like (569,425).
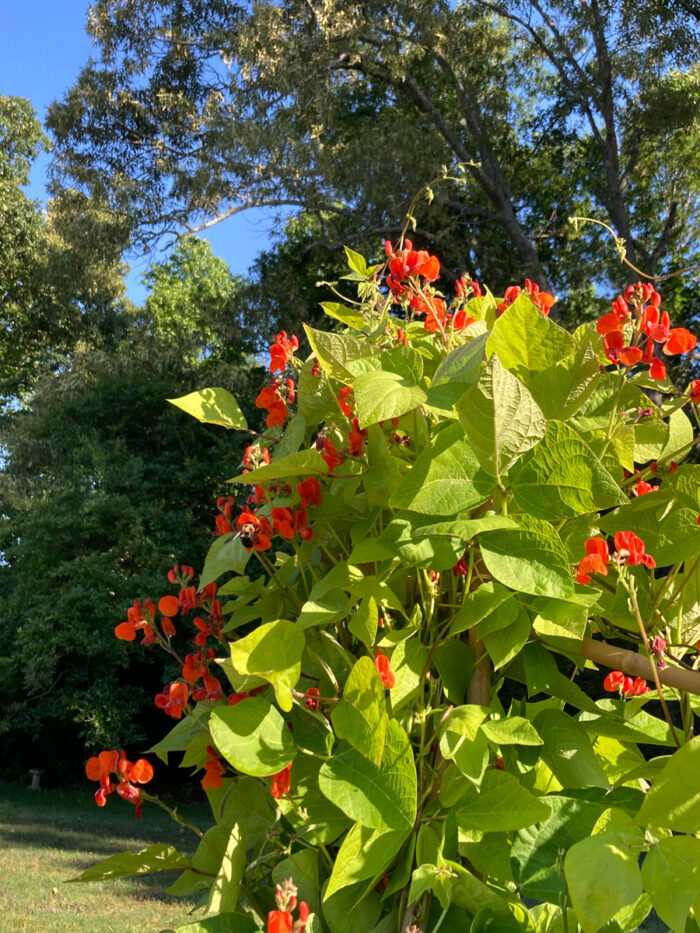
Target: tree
(198,110)
(104,486)
(52,293)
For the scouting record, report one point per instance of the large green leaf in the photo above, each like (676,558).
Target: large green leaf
(602,876)
(365,853)
(333,351)
(530,559)
(487,599)
(545,357)
(253,737)
(462,365)
(382,395)
(351,909)
(364,621)
(303,867)
(159,857)
(562,477)
(464,742)
(213,406)
(501,804)
(382,476)
(503,642)
(536,850)
(360,716)
(303,463)
(501,418)
(671,875)
(446,478)
(273,652)
(568,751)
(515,730)
(225,890)
(226,554)
(381,797)
(674,798)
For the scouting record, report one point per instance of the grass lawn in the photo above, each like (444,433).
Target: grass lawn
(48,836)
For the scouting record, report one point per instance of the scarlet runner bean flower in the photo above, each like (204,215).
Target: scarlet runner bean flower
(409,262)
(254,531)
(331,455)
(173,699)
(214,770)
(695,392)
(101,767)
(381,662)
(281,782)
(616,681)
(281,351)
(138,620)
(312,695)
(274,399)
(596,560)
(542,300)
(310,492)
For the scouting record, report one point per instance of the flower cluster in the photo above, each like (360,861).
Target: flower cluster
(282,351)
(631,334)
(282,919)
(542,300)
(127,774)
(629,549)
(256,530)
(616,682)
(275,399)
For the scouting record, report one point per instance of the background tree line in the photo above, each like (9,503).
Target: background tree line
(193,110)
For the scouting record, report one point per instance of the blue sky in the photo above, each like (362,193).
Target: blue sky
(43,45)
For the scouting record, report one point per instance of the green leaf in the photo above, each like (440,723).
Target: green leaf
(213,406)
(562,477)
(382,476)
(536,850)
(559,374)
(464,743)
(408,662)
(674,798)
(365,853)
(482,602)
(356,262)
(334,351)
(455,665)
(602,876)
(671,875)
(224,923)
(273,652)
(342,313)
(382,395)
(303,463)
(504,642)
(225,890)
(446,478)
(226,554)
(500,418)
(461,366)
(401,538)
(363,622)
(360,716)
(381,797)
(567,750)
(253,737)
(302,867)
(159,857)
(352,909)
(502,804)
(530,559)
(515,730)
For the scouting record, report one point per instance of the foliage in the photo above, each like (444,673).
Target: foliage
(50,292)
(446,518)
(102,481)
(194,111)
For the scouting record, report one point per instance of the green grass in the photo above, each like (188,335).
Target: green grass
(49,836)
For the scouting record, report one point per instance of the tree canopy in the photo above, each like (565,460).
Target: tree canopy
(193,111)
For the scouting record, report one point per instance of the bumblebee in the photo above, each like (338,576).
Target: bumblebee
(248,534)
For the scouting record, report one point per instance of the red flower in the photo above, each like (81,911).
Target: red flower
(637,688)
(460,320)
(344,395)
(282,351)
(281,782)
(279,921)
(174,701)
(331,455)
(270,399)
(381,662)
(310,492)
(595,561)
(657,370)
(615,681)
(254,531)
(695,391)
(408,262)
(629,546)
(283,522)
(169,605)
(642,488)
